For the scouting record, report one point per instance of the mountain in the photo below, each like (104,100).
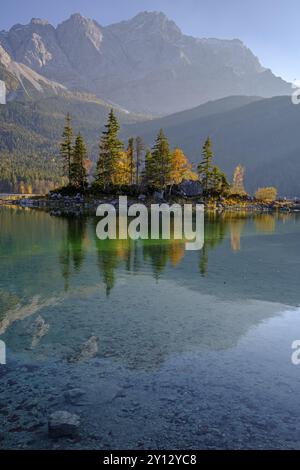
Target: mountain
(22,82)
(261,134)
(145,64)
(30,133)
(35,126)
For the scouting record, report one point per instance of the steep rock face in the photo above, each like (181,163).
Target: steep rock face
(172,71)
(81,41)
(144,64)
(21,81)
(36,46)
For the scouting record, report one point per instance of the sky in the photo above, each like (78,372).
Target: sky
(270,28)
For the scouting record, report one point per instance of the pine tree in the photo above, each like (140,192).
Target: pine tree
(139,151)
(205,167)
(214,181)
(148,171)
(161,165)
(110,149)
(218,181)
(78,169)
(66,147)
(131,161)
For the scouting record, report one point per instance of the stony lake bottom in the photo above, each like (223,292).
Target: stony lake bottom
(150,345)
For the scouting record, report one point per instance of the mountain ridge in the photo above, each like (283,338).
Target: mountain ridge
(260,134)
(144,64)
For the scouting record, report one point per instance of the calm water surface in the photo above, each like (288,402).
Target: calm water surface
(152,346)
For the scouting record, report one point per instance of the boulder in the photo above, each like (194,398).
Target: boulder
(38,329)
(63,424)
(188,188)
(115,202)
(74,396)
(86,351)
(158,196)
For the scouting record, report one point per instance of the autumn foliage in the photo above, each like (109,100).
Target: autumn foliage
(266,194)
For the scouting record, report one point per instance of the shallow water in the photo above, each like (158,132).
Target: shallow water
(189,349)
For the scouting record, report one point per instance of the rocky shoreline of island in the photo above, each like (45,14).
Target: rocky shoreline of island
(79,205)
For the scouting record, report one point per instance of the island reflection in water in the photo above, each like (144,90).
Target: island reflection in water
(188,341)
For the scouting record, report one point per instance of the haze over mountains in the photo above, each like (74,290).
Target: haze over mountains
(261,134)
(145,64)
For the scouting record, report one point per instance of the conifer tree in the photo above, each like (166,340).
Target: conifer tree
(66,147)
(139,151)
(218,183)
(110,149)
(78,169)
(214,181)
(148,171)
(131,161)
(205,166)
(161,165)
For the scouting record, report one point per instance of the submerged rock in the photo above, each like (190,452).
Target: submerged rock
(38,329)
(74,396)
(86,351)
(63,424)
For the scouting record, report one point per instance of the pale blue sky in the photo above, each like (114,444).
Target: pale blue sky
(269,27)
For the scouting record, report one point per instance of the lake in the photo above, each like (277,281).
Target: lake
(152,346)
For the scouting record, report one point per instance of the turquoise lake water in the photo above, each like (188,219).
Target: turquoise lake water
(151,345)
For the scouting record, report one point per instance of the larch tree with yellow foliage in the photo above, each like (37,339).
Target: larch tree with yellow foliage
(123,170)
(237,186)
(181,168)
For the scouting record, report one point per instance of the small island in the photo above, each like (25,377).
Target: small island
(148,175)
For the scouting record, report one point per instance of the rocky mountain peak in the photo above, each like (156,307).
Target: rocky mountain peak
(157,16)
(78,26)
(39,21)
(78,20)
(144,64)
(80,39)
(152,22)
